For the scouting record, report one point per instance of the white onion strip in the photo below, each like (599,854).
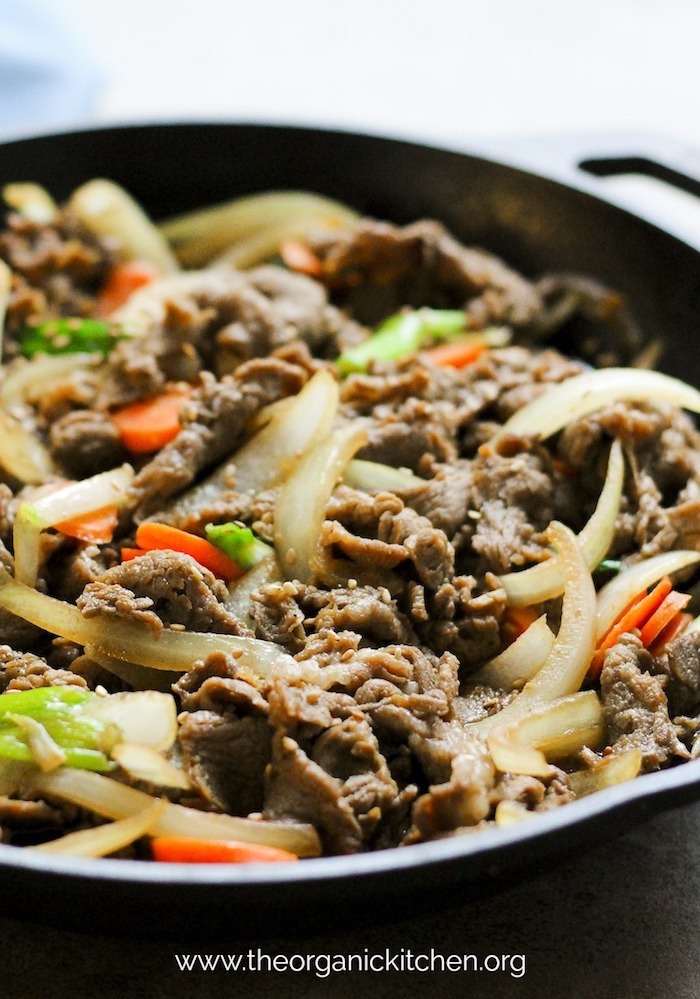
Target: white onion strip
(106,209)
(100,841)
(520,661)
(581,395)
(200,235)
(567,664)
(616,595)
(555,731)
(301,506)
(147,764)
(26,381)
(22,454)
(373,476)
(611,770)
(169,650)
(74,500)
(270,454)
(545,581)
(145,717)
(113,800)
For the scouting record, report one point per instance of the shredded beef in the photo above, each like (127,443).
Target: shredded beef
(86,441)
(24,670)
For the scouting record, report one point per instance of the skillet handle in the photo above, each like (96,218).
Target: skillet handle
(655,177)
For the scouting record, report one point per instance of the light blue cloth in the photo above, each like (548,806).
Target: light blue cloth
(48,76)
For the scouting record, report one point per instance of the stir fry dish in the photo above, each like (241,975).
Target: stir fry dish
(315,540)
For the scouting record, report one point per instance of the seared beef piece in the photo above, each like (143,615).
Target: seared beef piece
(379,531)
(86,441)
(378,268)
(225,757)
(661,502)
(214,423)
(682,664)
(58,269)
(635,706)
(461,800)
(214,685)
(460,619)
(512,501)
(327,768)
(609,334)
(445,499)
(24,670)
(162,588)
(218,320)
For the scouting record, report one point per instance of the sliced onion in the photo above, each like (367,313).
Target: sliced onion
(169,650)
(508,812)
(31,200)
(545,581)
(113,800)
(137,677)
(74,500)
(372,476)
(554,731)
(203,234)
(5,288)
(272,452)
(581,395)
(45,751)
(107,210)
(143,717)
(567,664)
(301,506)
(616,596)
(614,769)
(520,661)
(147,764)
(22,454)
(100,841)
(26,381)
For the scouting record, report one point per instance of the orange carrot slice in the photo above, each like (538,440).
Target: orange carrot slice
(188,850)
(96,527)
(151,536)
(150,424)
(123,280)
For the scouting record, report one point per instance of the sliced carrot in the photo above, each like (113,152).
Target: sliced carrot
(152,536)
(298,257)
(634,617)
(150,424)
(188,850)
(96,527)
(123,280)
(675,627)
(128,553)
(456,353)
(663,615)
(516,620)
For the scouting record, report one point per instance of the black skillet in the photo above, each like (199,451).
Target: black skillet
(538,224)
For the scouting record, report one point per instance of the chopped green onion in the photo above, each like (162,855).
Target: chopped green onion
(607,568)
(239,543)
(85,740)
(70,336)
(403,335)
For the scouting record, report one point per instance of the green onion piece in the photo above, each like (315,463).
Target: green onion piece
(403,335)
(608,568)
(84,739)
(239,543)
(69,336)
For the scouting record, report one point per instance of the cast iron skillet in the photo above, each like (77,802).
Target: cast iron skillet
(538,225)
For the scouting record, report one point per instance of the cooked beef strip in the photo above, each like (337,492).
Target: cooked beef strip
(635,706)
(24,670)
(162,588)
(378,268)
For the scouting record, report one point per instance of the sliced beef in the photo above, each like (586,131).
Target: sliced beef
(162,588)
(214,424)
(58,268)
(378,268)
(24,670)
(682,656)
(86,441)
(635,706)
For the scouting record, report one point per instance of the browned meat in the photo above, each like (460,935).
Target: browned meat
(635,706)
(378,268)
(86,441)
(24,670)
(162,588)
